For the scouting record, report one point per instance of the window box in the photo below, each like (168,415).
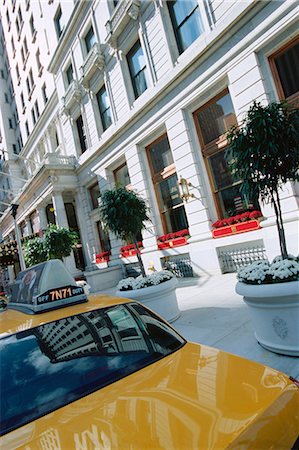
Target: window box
(240,223)
(102,257)
(129,250)
(171,240)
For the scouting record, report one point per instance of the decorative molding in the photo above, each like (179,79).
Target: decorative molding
(74,94)
(125,10)
(94,61)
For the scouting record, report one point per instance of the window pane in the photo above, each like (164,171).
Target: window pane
(220,167)
(186,22)
(288,69)
(160,155)
(95,194)
(175,219)
(104,107)
(137,69)
(69,74)
(81,134)
(190,31)
(169,193)
(104,238)
(217,118)
(122,176)
(233,202)
(90,39)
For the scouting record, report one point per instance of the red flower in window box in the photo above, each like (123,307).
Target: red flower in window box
(239,223)
(175,239)
(103,257)
(130,250)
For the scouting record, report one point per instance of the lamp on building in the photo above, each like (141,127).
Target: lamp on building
(185,193)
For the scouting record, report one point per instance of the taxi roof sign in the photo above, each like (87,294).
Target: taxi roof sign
(45,286)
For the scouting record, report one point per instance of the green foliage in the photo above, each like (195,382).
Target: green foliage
(56,243)
(124,213)
(265,149)
(265,154)
(34,252)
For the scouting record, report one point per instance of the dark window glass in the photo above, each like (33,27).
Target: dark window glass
(121,175)
(165,179)
(217,118)
(214,120)
(287,65)
(137,69)
(58,22)
(104,108)
(104,238)
(114,343)
(95,194)
(69,74)
(186,21)
(81,134)
(89,39)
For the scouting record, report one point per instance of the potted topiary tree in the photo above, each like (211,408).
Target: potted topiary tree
(265,153)
(125,214)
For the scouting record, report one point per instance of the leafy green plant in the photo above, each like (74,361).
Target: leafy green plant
(57,242)
(265,153)
(34,252)
(124,213)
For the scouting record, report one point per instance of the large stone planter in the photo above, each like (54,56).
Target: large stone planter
(275,313)
(161,298)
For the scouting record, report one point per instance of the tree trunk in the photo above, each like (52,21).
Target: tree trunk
(279,224)
(139,257)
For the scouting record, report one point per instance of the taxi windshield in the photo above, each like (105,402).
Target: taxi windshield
(47,367)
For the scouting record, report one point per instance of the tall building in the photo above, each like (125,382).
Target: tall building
(142,93)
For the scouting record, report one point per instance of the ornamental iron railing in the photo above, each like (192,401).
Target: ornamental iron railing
(232,258)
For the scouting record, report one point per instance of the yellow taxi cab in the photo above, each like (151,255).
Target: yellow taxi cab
(108,373)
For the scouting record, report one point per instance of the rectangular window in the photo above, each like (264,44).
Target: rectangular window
(8,20)
(94,194)
(285,68)
(27,128)
(137,69)
(81,134)
(25,46)
(165,181)
(13,46)
(89,39)
(104,238)
(104,107)
(22,100)
(39,65)
(18,72)
(44,93)
(213,121)
(121,175)
(186,22)
(32,27)
(69,73)
(36,109)
(6,97)
(10,123)
(33,116)
(58,22)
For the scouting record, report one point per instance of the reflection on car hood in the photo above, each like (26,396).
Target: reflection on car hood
(196,398)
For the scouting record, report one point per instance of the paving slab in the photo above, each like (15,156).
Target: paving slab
(213,314)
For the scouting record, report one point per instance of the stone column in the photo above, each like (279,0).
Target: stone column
(84,226)
(61,221)
(43,221)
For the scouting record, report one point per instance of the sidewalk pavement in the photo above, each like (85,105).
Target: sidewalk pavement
(213,314)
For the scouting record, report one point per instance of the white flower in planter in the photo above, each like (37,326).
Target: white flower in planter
(285,268)
(142,282)
(262,272)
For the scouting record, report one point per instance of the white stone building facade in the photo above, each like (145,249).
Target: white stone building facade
(142,93)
